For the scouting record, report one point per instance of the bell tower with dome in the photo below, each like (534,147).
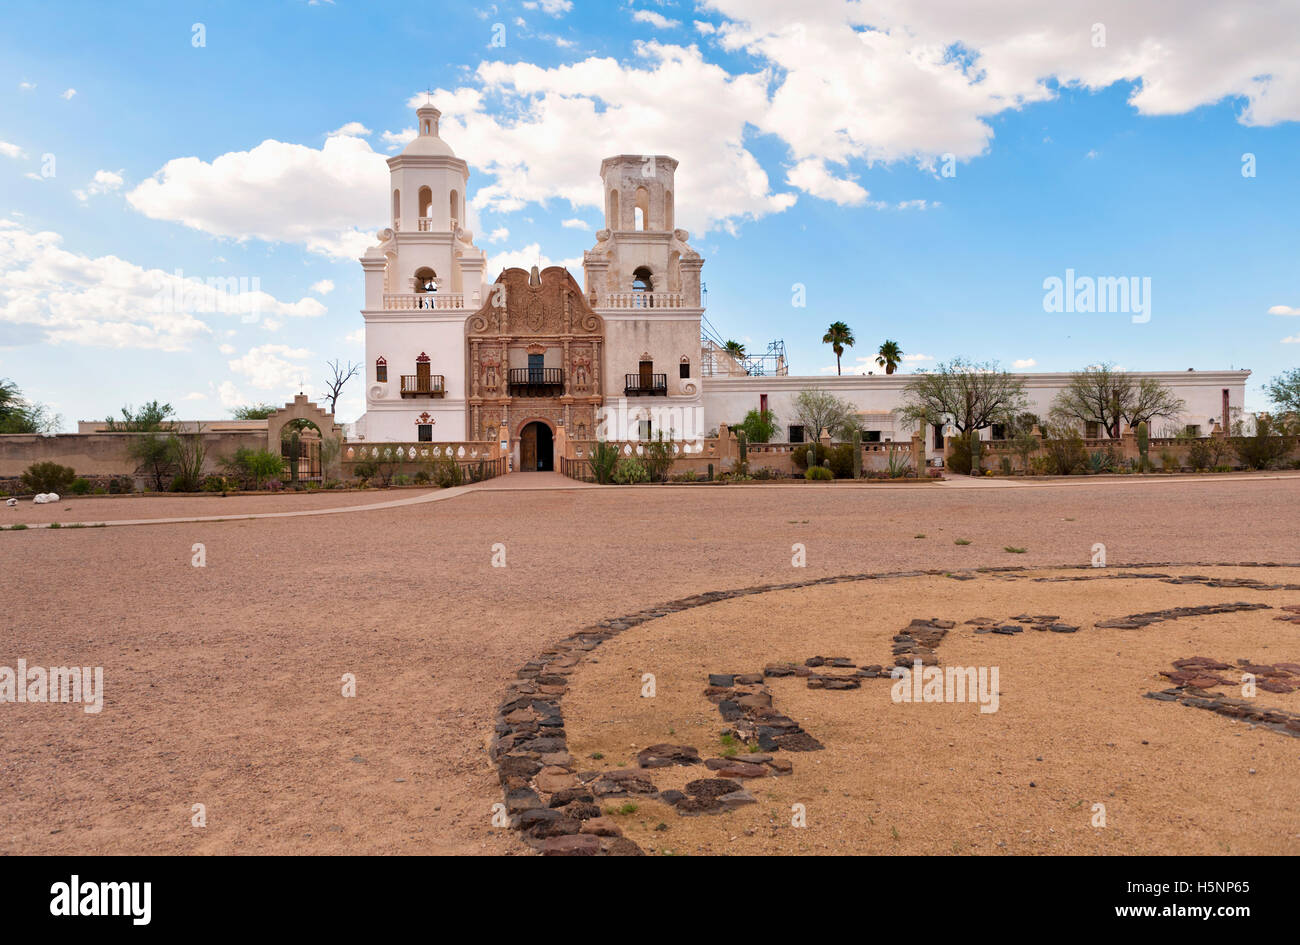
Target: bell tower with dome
(422,280)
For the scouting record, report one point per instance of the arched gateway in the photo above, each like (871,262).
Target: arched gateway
(535,364)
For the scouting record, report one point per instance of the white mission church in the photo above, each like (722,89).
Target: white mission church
(451,357)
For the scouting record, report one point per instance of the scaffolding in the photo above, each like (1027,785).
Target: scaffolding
(717,361)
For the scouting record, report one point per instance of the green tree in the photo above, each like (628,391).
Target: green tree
(735,350)
(153,455)
(257,465)
(759,426)
(819,410)
(153,417)
(839,336)
(889,356)
(19,415)
(253,412)
(1284,392)
(971,396)
(1101,394)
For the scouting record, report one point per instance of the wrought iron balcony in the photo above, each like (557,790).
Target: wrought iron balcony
(645,385)
(433,385)
(536,382)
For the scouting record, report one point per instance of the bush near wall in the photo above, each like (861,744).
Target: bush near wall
(48,477)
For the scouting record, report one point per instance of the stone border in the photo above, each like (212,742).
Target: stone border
(530,751)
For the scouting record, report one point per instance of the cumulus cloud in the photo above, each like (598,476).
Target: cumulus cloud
(916,358)
(104,182)
(550,7)
(11,150)
(576,224)
(323,287)
(51,295)
(353,128)
(26,86)
(812,177)
(68,93)
(1283,310)
(531,255)
(329,200)
(1024,363)
(657,20)
(498,235)
(273,367)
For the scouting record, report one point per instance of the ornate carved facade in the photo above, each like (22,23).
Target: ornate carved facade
(534,325)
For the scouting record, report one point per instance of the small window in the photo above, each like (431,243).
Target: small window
(381,371)
(1092,430)
(796,433)
(938,435)
(999,431)
(643,429)
(684,369)
(1193,429)
(870,436)
(425,432)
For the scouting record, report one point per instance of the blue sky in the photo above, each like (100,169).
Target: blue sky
(246,140)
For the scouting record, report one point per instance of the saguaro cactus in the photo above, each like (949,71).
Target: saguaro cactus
(1144,443)
(857,454)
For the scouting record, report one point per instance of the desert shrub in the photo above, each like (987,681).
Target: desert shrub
(48,477)
(364,471)
(603,460)
(1168,461)
(1198,454)
(1064,451)
(630,471)
(818,474)
(689,475)
(120,485)
(445,473)
(1103,461)
(422,477)
(959,457)
(659,458)
(256,466)
(214,483)
(1005,465)
(80,486)
(840,461)
(897,464)
(765,473)
(401,479)
(1268,447)
(799,454)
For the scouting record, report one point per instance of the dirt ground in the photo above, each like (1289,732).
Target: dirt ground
(223,683)
(1071,727)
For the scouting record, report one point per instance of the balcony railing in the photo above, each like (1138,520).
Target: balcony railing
(415,301)
(536,382)
(645,385)
(644,300)
(432,385)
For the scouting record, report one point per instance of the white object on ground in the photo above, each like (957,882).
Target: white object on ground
(45,497)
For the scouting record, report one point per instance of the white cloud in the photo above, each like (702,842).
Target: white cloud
(550,7)
(51,295)
(11,150)
(531,255)
(195,395)
(1283,310)
(280,192)
(357,337)
(1293,340)
(273,367)
(1024,363)
(353,129)
(226,349)
(26,86)
(104,182)
(323,287)
(548,131)
(499,234)
(705,28)
(657,20)
(913,358)
(812,177)
(68,93)
(576,224)
(230,395)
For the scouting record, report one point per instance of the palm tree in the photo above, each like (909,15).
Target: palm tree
(889,356)
(735,349)
(838,336)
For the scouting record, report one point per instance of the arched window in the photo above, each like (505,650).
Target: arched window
(642,215)
(642,282)
(425,201)
(397,209)
(455,207)
(611,211)
(381,371)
